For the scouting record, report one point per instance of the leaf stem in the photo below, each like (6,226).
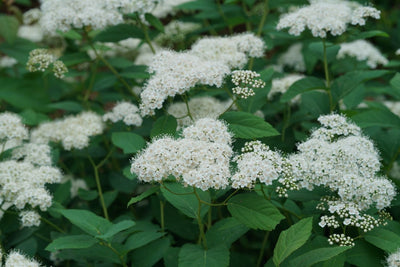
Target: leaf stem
(100,191)
(261,254)
(146,34)
(202,237)
(162,215)
(328,82)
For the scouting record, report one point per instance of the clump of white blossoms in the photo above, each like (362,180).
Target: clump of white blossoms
(233,51)
(293,58)
(281,85)
(167,7)
(37,154)
(393,106)
(208,62)
(15,258)
(176,73)
(98,14)
(339,157)
(256,162)
(29,218)
(362,50)
(12,131)
(393,260)
(7,62)
(245,81)
(41,59)
(200,158)
(126,112)
(328,16)
(176,32)
(200,107)
(71,131)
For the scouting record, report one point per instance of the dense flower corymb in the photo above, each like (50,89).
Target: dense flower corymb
(126,112)
(329,16)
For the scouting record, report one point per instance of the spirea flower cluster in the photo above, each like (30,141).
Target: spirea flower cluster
(245,82)
(200,107)
(256,163)
(393,260)
(362,50)
(208,62)
(329,16)
(12,129)
(281,85)
(71,131)
(293,58)
(16,259)
(97,14)
(126,112)
(200,158)
(42,59)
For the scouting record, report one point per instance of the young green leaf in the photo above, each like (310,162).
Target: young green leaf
(155,22)
(383,239)
(304,85)
(71,242)
(143,195)
(196,256)
(248,126)
(119,32)
(291,239)
(8,28)
(225,231)
(164,125)
(141,239)
(116,228)
(317,255)
(254,211)
(128,142)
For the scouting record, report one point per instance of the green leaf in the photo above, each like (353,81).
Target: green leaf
(87,194)
(66,105)
(225,231)
(119,32)
(304,85)
(164,125)
(395,81)
(87,221)
(346,83)
(369,34)
(376,117)
(364,254)
(150,254)
(248,126)
(32,118)
(143,195)
(196,256)
(116,228)
(254,211)
(141,239)
(155,22)
(186,203)
(127,173)
(128,142)
(384,239)
(317,255)
(71,242)
(71,34)
(291,239)
(9,28)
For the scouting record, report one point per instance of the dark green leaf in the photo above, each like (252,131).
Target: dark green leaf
(155,22)
(72,241)
(186,203)
(141,239)
(383,239)
(143,195)
(291,239)
(254,211)
(8,28)
(127,173)
(67,105)
(164,125)
(128,142)
(119,32)
(116,228)
(248,126)
(87,221)
(196,256)
(317,255)
(32,118)
(225,231)
(369,34)
(150,254)
(376,117)
(304,85)
(71,34)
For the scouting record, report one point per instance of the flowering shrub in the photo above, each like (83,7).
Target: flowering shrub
(199,133)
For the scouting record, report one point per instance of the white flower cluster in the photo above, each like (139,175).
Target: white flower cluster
(11,130)
(29,218)
(126,112)
(232,51)
(397,52)
(16,259)
(72,131)
(293,58)
(40,60)
(76,184)
(393,106)
(281,85)
(328,16)
(362,50)
(200,107)
(341,240)
(245,81)
(393,260)
(98,14)
(176,32)
(7,62)
(175,73)
(22,183)
(201,158)
(257,162)
(207,63)
(37,154)
(166,7)
(33,33)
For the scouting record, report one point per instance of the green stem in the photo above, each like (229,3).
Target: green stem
(146,34)
(263,18)
(328,82)
(100,191)
(120,256)
(184,97)
(162,215)
(231,195)
(246,12)
(91,82)
(286,119)
(52,224)
(222,14)
(172,192)
(261,255)
(230,106)
(202,237)
(392,160)
(209,222)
